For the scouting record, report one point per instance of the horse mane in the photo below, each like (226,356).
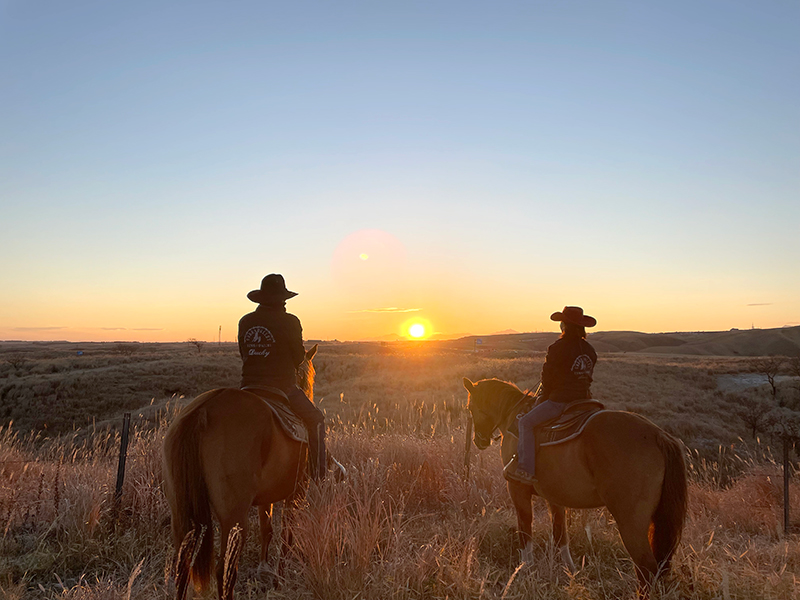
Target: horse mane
(499,391)
(305,378)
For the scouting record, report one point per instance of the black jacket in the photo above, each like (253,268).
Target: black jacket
(271,346)
(567,370)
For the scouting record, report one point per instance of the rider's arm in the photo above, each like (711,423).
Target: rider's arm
(549,370)
(296,341)
(240,337)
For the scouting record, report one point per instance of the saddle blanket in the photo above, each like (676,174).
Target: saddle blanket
(289,421)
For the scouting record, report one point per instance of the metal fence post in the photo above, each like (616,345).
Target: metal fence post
(123,453)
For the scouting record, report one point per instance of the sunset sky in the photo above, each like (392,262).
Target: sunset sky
(468,166)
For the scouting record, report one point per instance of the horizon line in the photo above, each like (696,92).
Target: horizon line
(399,338)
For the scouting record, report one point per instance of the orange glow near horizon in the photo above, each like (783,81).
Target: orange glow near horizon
(171,317)
(374,292)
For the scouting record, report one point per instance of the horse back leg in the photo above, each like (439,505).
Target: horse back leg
(521,497)
(632,505)
(228,564)
(266,531)
(634,528)
(287,523)
(561,535)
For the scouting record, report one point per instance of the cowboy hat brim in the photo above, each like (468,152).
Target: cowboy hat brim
(261,297)
(582,320)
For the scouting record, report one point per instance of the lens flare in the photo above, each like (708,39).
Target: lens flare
(370,262)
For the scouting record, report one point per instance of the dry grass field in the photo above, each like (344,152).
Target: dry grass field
(406,523)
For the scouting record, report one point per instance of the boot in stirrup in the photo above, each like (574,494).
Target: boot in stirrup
(512,472)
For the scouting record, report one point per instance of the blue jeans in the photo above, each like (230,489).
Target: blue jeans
(526,449)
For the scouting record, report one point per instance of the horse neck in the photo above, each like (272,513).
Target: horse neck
(507,398)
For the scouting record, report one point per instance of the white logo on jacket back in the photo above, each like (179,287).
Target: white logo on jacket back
(582,367)
(258,341)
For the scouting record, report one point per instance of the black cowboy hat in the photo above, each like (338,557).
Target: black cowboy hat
(574,314)
(273,288)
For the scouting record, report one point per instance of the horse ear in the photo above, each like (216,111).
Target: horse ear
(310,354)
(469,385)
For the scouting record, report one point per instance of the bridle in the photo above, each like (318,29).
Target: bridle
(482,441)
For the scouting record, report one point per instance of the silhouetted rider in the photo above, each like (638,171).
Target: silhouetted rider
(271,346)
(566,377)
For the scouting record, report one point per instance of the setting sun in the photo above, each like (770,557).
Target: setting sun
(416,328)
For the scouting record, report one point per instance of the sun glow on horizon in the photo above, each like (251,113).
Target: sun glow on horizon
(417,330)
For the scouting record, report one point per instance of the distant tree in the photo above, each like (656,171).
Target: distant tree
(784,423)
(126,349)
(794,370)
(771,366)
(16,360)
(752,409)
(780,421)
(794,366)
(198,344)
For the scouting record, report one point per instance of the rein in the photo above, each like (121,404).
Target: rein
(513,412)
(506,407)
(508,415)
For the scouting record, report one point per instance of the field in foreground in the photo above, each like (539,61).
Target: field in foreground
(405,523)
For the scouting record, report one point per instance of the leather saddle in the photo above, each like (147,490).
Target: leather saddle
(570,424)
(563,428)
(277,400)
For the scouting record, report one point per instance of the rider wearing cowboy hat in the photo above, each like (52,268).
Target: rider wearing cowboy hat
(566,376)
(271,346)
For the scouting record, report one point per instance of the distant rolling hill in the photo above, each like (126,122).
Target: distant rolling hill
(784,341)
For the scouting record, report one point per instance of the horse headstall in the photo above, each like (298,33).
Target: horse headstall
(482,441)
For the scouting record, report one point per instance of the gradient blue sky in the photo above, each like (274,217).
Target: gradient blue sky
(157,159)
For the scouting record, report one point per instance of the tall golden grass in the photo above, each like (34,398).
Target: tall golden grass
(405,523)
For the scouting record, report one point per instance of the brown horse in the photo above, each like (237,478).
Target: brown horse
(224,453)
(621,461)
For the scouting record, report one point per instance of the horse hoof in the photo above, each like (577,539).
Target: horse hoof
(526,556)
(566,557)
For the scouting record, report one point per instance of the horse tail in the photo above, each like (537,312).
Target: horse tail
(191,508)
(670,514)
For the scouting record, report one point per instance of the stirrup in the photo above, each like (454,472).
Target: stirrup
(339,472)
(512,472)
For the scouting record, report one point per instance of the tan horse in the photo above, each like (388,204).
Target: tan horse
(621,461)
(224,453)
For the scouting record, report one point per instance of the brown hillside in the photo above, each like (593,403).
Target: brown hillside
(750,342)
(632,341)
(784,341)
